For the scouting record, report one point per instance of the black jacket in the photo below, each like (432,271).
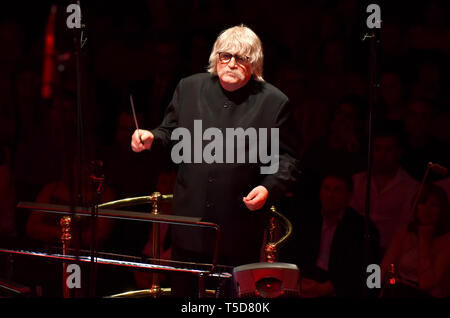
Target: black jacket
(215,191)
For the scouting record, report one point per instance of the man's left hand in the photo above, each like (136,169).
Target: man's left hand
(256,198)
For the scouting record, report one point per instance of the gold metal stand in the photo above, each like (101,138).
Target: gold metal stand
(156,198)
(144,293)
(271,249)
(106,210)
(65,223)
(155,291)
(136,201)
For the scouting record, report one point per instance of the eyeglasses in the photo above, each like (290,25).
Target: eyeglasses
(225,57)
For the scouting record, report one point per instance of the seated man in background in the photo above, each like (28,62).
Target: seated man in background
(340,150)
(392,189)
(328,245)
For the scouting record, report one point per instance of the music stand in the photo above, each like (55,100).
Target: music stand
(105,211)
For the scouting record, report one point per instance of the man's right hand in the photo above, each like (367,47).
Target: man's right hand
(141,140)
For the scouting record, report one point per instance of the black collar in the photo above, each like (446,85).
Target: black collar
(238,96)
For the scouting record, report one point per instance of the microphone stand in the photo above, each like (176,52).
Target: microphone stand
(97,182)
(78,44)
(374,85)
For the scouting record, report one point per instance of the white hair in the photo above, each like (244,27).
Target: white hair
(239,40)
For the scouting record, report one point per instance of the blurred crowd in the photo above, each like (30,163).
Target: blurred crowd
(314,53)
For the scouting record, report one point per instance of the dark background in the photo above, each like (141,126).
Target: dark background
(313,52)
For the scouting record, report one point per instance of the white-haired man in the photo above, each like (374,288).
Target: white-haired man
(232,94)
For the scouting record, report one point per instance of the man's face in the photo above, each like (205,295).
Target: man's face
(233,75)
(419,119)
(392,88)
(334,196)
(386,154)
(428,211)
(344,121)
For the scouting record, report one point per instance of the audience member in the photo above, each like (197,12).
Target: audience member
(392,93)
(445,184)
(420,250)
(427,82)
(391,189)
(421,146)
(341,150)
(430,32)
(328,243)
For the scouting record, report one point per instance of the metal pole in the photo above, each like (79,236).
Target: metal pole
(156,288)
(374,86)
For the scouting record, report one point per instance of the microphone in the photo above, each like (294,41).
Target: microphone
(436,168)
